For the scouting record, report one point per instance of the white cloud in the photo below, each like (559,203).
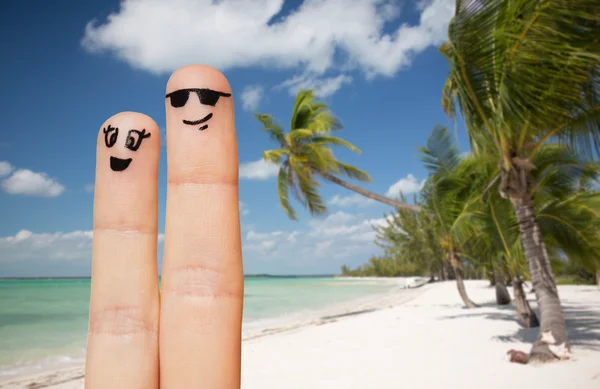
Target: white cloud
(89,187)
(55,246)
(265,243)
(322,247)
(161,36)
(406,185)
(26,182)
(251,96)
(354,200)
(292,237)
(244,208)
(323,87)
(262,248)
(329,241)
(338,236)
(346,226)
(5,168)
(422,4)
(25,245)
(252,235)
(258,170)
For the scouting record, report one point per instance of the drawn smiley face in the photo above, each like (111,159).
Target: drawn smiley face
(132,142)
(206,96)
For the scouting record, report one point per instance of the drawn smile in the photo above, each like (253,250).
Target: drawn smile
(118,164)
(196,122)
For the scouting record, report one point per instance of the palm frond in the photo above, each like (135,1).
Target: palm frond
(574,233)
(283,190)
(524,70)
(440,155)
(318,158)
(332,140)
(310,114)
(449,98)
(351,172)
(309,189)
(559,170)
(273,129)
(275,156)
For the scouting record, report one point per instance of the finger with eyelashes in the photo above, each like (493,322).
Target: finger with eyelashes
(202,283)
(122,350)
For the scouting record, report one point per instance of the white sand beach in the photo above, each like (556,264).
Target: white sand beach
(422,338)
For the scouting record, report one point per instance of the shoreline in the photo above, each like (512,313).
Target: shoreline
(421,338)
(258,328)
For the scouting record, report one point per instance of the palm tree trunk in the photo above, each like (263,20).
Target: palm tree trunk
(502,295)
(459,281)
(371,195)
(553,329)
(525,315)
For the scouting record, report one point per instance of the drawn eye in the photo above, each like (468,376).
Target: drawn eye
(135,138)
(209,97)
(179,98)
(110,135)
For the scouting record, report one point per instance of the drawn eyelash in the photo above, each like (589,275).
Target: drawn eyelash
(135,138)
(110,135)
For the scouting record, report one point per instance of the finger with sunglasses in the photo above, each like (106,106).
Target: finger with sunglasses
(192,338)
(180,97)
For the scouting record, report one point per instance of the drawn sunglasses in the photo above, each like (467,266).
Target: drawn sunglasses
(207,96)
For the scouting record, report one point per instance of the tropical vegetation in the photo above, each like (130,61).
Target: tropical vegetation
(304,156)
(525,73)
(523,205)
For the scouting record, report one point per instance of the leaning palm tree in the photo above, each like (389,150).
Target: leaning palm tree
(304,155)
(448,197)
(524,73)
(567,209)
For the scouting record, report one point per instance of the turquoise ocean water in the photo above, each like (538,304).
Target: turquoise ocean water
(43,323)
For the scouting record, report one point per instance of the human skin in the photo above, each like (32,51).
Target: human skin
(188,334)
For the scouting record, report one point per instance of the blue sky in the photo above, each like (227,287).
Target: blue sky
(66,69)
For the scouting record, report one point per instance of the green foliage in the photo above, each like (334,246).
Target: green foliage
(449,194)
(304,154)
(525,76)
(385,267)
(575,279)
(524,72)
(463,211)
(410,245)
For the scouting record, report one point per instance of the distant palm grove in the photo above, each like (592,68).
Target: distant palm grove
(523,205)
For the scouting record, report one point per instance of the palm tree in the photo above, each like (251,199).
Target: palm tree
(500,238)
(568,210)
(448,196)
(524,73)
(304,155)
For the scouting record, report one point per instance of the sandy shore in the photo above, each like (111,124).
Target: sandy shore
(422,338)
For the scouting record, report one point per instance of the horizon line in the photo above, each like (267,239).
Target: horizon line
(255,275)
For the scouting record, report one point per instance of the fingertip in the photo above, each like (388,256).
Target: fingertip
(197,74)
(127,121)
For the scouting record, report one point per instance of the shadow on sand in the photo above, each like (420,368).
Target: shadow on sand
(583,324)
